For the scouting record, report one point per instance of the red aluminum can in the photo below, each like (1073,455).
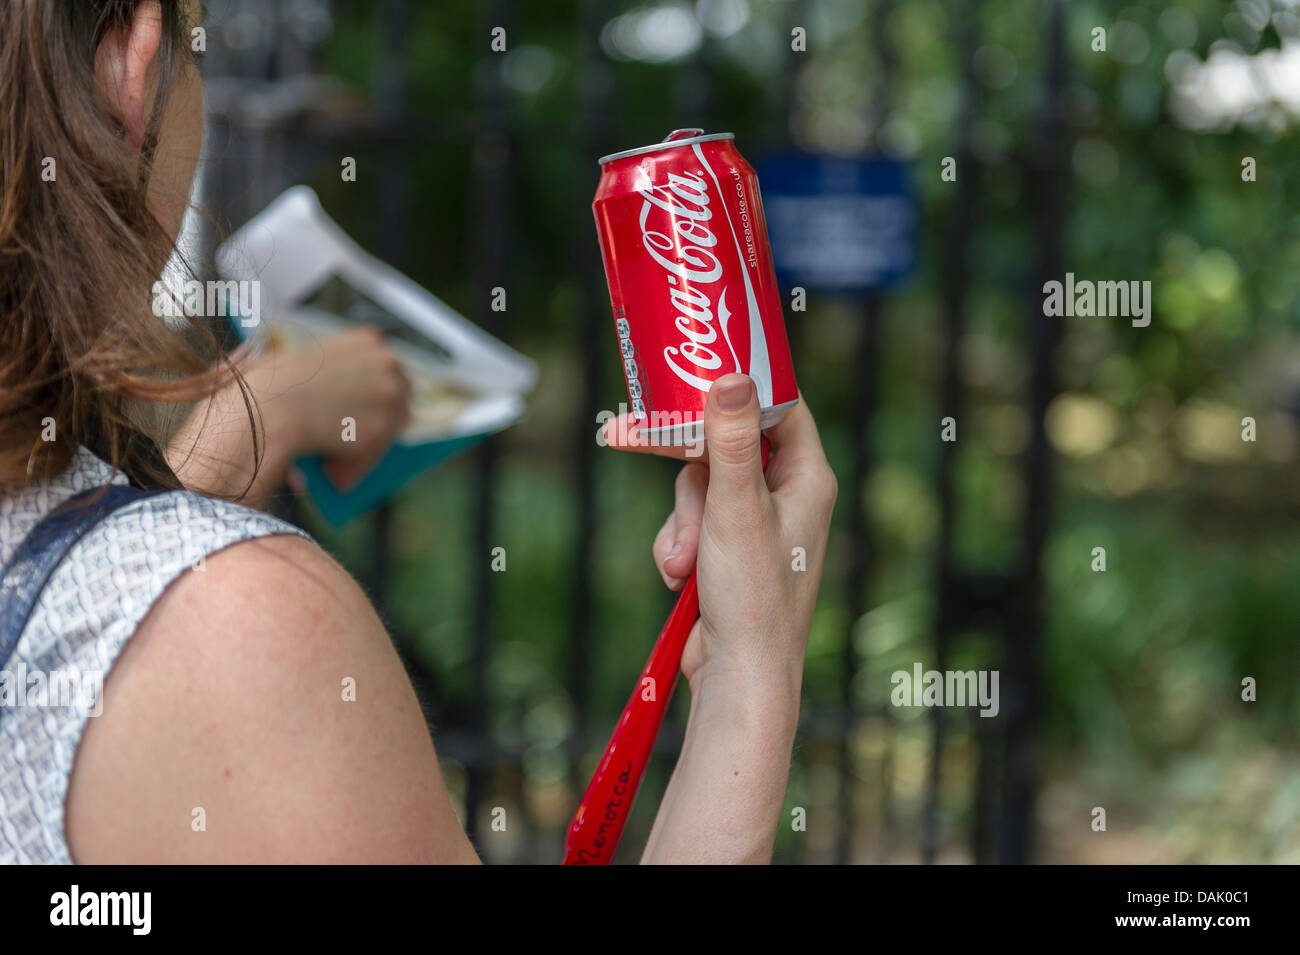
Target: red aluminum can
(691,281)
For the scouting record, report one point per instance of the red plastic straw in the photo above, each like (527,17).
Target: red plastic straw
(598,824)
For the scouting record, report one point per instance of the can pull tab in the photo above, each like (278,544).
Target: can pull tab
(683,133)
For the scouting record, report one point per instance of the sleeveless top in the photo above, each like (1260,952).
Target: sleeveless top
(86,613)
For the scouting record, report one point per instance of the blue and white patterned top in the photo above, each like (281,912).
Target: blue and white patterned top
(85,615)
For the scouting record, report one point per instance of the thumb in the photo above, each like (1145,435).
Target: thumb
(731,433)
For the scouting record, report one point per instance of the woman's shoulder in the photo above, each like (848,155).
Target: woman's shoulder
(107,581)
(267,684)
(96,600)
(123,564)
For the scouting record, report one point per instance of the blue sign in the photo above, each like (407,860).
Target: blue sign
(846,225)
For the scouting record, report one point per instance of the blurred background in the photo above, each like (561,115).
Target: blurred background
(1121,688)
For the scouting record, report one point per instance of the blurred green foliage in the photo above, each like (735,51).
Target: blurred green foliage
(1144,661)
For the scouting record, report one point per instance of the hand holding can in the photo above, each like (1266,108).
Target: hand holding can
(695,299)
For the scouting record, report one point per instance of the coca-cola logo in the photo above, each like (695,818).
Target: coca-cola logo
(689,258)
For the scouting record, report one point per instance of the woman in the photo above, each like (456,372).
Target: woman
(224,735)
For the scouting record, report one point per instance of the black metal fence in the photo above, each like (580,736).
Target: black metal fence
(267,129)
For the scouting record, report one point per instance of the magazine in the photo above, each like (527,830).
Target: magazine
(314,280)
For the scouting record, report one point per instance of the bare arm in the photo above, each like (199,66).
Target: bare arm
(214,452)
(302,394)
(724,801)
(743,531)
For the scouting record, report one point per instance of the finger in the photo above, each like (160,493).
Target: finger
(367,331)
(663,544)
(624,433)
(800,466)
(688,512)
(343,473)
(731,430)
(346,472)
(796,434)
(402,403)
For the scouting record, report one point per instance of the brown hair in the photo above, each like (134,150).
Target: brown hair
(79,254)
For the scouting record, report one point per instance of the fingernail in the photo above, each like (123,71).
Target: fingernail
(674,552)
(735,395)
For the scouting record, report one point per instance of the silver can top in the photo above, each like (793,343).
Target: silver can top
(678,137)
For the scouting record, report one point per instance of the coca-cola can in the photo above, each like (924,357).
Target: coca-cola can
(691,281)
